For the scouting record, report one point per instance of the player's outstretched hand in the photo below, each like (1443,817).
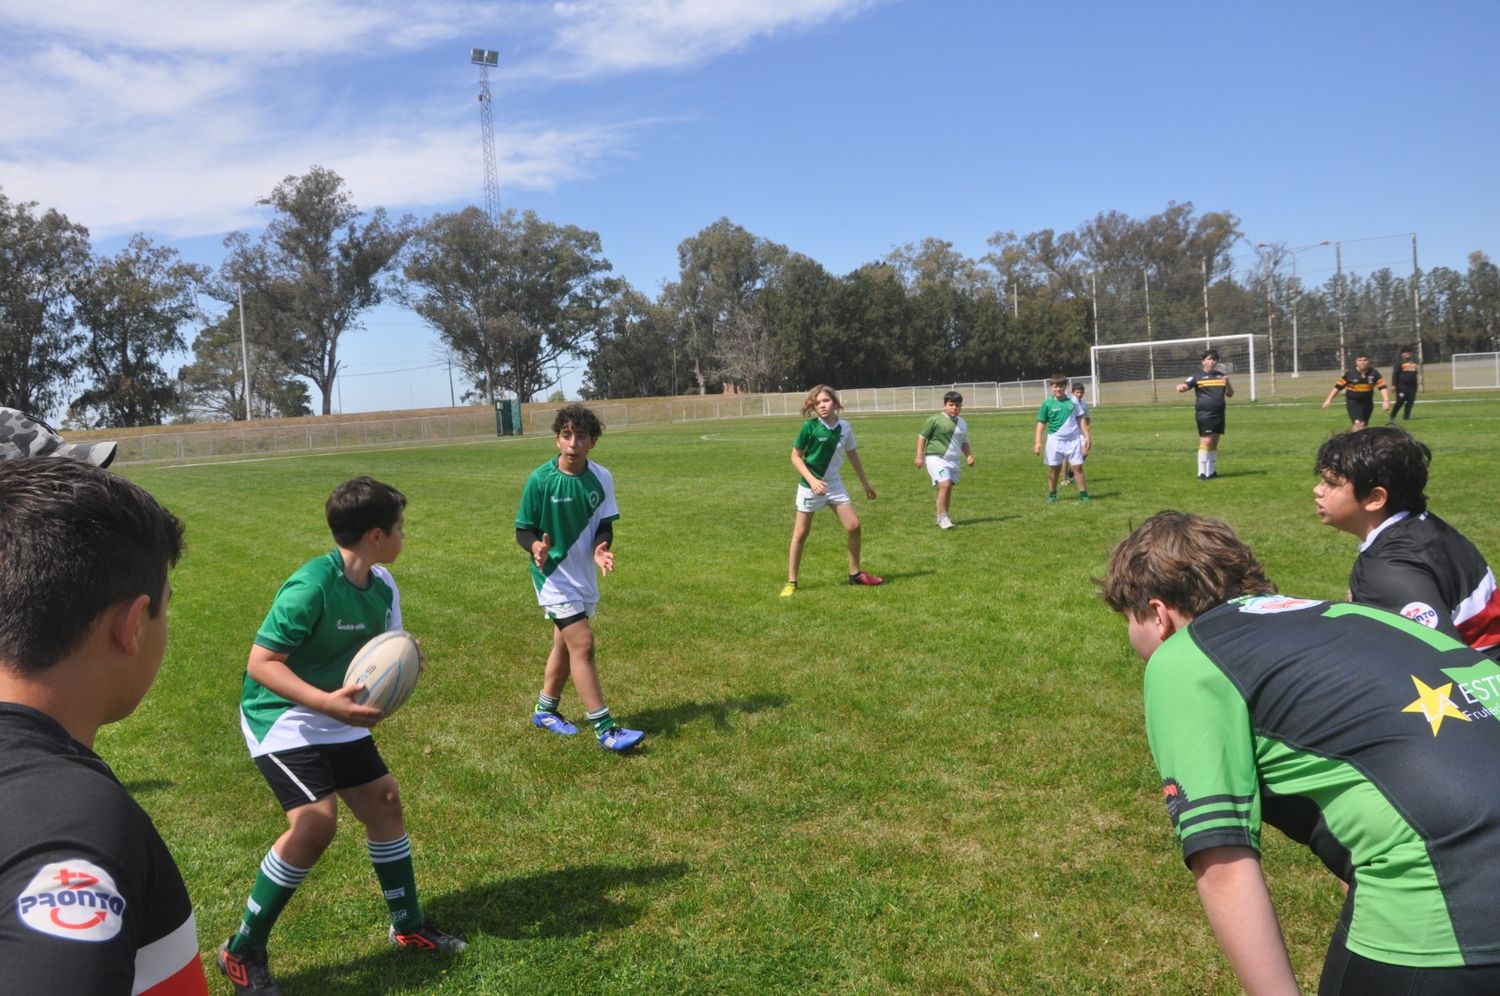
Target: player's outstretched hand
(1328,402)
(869,492)
(917,463)
(1181,388)
(1037,448)
(604,557)
(342,707)
(540,550)
(971,459)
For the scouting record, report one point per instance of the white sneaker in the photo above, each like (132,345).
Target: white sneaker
(945,523)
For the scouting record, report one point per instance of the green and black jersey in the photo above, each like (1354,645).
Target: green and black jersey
(1368,737)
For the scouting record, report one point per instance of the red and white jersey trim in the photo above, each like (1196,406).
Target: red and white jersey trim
(1478,616)
(170,966)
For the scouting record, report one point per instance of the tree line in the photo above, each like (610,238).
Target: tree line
(514,297)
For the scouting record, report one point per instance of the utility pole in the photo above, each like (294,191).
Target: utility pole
(1205,302)
(1150,350)
(1338,259)
(1416,311)
(244,349)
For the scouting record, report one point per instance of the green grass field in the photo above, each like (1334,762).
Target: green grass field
(940,785)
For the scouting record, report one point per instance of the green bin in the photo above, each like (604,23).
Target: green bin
(508,417)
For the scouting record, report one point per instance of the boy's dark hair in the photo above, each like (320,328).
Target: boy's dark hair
(1210,354)
(1384,456)
(1189,562)
(1057,378)
(954,397)
(357,506)
(75,540)
(1405,349)
(582,420)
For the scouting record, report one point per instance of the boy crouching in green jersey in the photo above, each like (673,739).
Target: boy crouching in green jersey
(566,524)
(311,740)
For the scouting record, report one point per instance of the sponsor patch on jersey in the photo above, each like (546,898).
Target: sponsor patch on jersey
(1266,605)
(1175,798)
(1422,613)
(73,899)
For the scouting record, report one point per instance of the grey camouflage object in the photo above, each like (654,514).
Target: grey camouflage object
(22,436)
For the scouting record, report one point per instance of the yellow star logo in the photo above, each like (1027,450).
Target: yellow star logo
(1434,704)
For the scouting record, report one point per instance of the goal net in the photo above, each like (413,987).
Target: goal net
(1143,372)
(1473,371)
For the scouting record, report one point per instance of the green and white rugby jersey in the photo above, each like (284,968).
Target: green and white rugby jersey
(1061,417)
(945,437)
(570,509)
(1368,737)
(823,447)
(320,620)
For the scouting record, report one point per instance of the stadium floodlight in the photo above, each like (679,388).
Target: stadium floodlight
(1294,253)
(1127,372)
(484,57)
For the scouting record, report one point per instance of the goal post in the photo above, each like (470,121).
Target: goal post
(1143,372)
(1475,371)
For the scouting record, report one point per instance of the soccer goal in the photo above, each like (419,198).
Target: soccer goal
(1142,372)
(1475,371)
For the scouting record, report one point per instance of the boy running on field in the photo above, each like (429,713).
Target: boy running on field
(1077,393)
(1360,385)
(943,439)
(566,525)
(1068,437)
(817,454)
(311,740)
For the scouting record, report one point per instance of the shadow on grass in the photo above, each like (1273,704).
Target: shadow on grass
(568,902)
(980,520)
(144,786)
(667,721)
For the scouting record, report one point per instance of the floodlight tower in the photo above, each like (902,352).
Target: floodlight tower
(486,60)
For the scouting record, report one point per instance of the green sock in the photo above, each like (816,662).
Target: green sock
(601,721)
(398,880)
(274,885)
(546,703)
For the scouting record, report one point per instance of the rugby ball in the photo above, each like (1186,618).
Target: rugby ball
(387,667)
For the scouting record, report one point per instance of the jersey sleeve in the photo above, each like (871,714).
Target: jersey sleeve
(1198,726)
(1403,587)
(91,909)
(929,428)
(1379,380)
(804,436)
(1041,412)
(294,613)
(609,508)
(846,436)
(529,512)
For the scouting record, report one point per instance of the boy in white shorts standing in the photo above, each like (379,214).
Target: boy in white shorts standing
(943,439)
(566,524)
(1068,437)
(819,450)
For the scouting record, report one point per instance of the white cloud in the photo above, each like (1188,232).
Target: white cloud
(600,37)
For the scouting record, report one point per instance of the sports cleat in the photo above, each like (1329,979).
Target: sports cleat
(553,723)
(1202,477)
(1052,498)
(1210,477)
(945,523)
(248,972)
(427,938)
(865,578)
(619,739)
(789,589)
(1084,496)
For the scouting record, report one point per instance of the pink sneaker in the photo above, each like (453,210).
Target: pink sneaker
(865,578)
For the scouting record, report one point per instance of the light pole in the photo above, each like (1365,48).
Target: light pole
(1294,253)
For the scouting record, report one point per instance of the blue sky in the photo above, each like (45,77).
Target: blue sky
(841,128)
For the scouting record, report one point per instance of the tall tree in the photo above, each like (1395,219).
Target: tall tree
(632,356)
(42,256)
(213,385)
(316,268)
(722,269)
(509,299)
(134,305)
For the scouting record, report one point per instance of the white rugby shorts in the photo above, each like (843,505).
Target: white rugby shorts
(941,470)
(566,610)
(809,502)
(1059,450)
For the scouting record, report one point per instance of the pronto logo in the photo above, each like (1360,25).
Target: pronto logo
(74,899)
(1266,605)
(1421,612)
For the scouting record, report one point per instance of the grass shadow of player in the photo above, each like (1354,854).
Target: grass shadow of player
(669,720)
(145,786)
(567,902)
(980,520)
